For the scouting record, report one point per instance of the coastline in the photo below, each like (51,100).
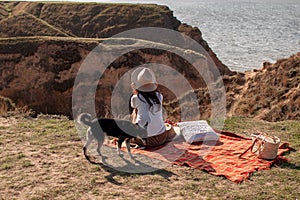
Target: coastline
(51,52)
(257,32)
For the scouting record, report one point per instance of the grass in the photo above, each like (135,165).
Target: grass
(41,158)
(286,130)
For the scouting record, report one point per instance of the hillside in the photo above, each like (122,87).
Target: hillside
(41,51)
(91,20)
(271,93)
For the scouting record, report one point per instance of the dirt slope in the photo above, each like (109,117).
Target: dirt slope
(273,92)
(40,72)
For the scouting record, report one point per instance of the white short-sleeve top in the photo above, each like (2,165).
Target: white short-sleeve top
(149,117)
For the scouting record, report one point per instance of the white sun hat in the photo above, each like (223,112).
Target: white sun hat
(143,79)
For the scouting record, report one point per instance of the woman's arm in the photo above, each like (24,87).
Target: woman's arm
(134,115)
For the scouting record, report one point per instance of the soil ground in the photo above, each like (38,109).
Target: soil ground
(41,158)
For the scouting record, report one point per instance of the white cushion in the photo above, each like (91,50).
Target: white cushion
(197,131)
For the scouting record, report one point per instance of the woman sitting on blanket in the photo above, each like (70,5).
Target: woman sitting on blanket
(146,106)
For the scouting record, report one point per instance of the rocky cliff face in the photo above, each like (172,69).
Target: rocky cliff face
(271,93)
(40,73)
(44,44)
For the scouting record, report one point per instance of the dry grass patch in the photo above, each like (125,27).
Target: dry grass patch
(41,158)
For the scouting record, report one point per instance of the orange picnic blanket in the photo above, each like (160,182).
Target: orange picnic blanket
(221,158)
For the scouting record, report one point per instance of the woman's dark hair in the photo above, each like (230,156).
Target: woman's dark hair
(150,97)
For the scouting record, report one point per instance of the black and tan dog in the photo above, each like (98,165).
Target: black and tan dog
(100,127)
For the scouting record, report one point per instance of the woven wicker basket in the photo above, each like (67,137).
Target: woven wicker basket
(265,146)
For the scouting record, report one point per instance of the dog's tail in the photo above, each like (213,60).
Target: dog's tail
(85,119)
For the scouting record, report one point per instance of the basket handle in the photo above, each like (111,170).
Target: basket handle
(245,151)
(251,147)
(260,143)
